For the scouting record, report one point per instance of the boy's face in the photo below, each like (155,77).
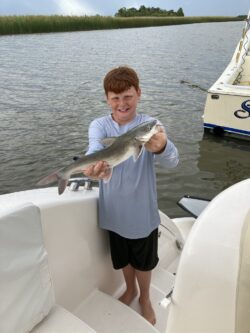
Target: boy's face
(123,105)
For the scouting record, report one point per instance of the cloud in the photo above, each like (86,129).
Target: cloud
(74,7)
(110,7)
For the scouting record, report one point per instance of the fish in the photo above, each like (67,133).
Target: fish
(116,150)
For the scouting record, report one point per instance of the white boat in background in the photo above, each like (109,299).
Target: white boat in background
(227,108)
(56,275)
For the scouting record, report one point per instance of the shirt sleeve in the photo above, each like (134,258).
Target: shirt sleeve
(169,158)
(96,134)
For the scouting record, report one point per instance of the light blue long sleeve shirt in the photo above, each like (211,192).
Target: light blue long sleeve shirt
(128,202)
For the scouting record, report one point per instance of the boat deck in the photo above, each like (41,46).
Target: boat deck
(99,308)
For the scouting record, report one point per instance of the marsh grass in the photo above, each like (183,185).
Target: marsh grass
(44,24)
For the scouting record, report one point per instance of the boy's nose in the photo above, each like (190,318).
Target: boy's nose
(121,103)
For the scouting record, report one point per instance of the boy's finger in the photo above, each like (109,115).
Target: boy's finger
(160,128)
(88,170)
(100,167)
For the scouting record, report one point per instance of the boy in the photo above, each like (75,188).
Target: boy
(128,202)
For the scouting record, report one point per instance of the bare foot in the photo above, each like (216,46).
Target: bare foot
(148,311)
(128,296)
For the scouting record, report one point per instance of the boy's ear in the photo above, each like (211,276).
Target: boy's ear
(107,100)
(139,92)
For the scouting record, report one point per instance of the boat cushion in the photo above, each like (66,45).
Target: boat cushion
(243,285)
(25,284)
(60,320)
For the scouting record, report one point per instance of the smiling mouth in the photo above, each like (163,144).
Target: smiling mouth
(123,111)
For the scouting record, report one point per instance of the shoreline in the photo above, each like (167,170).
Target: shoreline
(31,24)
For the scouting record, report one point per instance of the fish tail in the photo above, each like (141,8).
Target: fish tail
(62,183)
(55,177)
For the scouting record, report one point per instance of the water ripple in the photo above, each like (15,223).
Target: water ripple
(51,88)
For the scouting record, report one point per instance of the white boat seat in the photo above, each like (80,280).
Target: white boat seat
(60,320)
(106,314)
(25,285)
(27,302)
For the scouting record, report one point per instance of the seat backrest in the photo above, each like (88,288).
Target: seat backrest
(26,293)
(211,293)
(243,291)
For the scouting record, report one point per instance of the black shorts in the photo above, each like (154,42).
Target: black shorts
(141,253)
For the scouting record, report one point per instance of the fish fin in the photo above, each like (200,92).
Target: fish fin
(52,178)
(108,141)
(137,152)
(107,179)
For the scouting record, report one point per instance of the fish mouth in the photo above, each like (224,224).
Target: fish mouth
(144,138)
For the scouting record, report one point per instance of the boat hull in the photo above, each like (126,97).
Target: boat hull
(227,108)
(227,115)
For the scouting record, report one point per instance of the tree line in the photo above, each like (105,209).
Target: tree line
(147,11)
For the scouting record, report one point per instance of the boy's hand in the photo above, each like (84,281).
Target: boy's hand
(100,170)
(158,141)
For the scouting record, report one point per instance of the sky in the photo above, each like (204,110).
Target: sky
(110,7)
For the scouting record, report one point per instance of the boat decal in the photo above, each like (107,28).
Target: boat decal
(245,111)
(228,129)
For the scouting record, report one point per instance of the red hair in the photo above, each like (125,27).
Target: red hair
(120,79)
